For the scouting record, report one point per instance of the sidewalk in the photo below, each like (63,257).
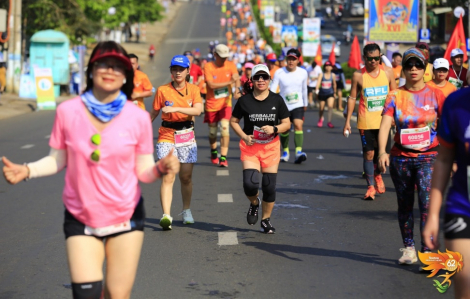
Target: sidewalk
(12,105)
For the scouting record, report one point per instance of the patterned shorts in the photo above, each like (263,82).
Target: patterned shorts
(185,154)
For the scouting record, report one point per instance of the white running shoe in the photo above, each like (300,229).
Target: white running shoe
(187,217)
(285,157)
(409,256)
(166,221)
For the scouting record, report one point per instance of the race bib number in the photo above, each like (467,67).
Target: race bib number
(375,98)
(292,98)
(415,138)
(108,230)
(456,82)
(184,137)
(191,79)
(326,85)
(221,93)
(261,137)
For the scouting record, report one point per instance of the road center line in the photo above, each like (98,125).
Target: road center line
(47,136)
(222,172)
(27,146)
(224,198)
(227,238)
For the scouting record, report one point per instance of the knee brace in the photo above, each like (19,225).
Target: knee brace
(87,290)
(213,132)
(250,182)
(224,131)
(269,187)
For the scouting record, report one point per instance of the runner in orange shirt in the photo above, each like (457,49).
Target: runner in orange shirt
(396,66)
(441,71)
(221,76)
(142,86)
(179,102)
(229,36)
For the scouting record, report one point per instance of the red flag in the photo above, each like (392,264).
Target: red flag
(457,40)
(355,59)
(332,57)
(318,57)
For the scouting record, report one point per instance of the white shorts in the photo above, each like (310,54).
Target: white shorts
(185,154)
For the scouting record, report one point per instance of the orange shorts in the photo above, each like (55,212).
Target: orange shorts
(266,155)
(216,116)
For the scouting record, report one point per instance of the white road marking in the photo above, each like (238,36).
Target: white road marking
(27,146)
(47,136)
(222,173)
(218,134)
(190,40)
(218,143)
(227,238)
(224,198)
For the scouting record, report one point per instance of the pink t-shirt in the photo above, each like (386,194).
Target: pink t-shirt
(106,192)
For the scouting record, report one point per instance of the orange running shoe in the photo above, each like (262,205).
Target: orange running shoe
(370,194)
(379,184)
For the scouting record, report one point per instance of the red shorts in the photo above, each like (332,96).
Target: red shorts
(216,116)
(266,155)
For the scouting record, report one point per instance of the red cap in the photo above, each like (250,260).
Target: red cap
(112,54)
(328,63)
(271,57)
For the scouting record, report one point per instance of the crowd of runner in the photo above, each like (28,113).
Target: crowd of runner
(113,151)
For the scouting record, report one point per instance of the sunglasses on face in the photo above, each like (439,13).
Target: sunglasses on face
(442,70)
(265,77)
(95,140)
(376,58)
(104,66)
(410,65)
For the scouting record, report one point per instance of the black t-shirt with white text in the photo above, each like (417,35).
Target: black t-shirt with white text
(268,112)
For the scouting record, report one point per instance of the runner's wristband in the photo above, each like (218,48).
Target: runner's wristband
(275,129)
(29,172)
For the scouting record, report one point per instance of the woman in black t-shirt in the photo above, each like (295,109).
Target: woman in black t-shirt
(265,115)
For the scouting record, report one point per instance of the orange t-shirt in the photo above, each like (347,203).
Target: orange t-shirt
(219,98)
(446,89)
(397,71)
(141,84)
(229,35)
(167,95)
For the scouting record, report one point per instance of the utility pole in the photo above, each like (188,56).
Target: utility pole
(14,48)
(424,17)
(18,47)
(311,9)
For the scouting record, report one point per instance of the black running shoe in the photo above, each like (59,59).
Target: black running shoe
(252,215)
(266,226)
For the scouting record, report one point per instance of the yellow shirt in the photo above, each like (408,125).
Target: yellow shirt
(428,73)
(372,100)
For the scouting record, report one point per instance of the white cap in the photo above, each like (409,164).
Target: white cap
(222,50)
(456,52)
(259,68)
(441,63)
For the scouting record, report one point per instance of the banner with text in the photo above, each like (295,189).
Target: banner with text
(277,29)
(44,88)
(268,15)
(311,36)
(394,21)
(289,35)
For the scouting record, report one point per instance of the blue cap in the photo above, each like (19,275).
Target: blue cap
(180,60)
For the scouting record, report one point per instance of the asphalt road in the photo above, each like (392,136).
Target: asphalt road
(329,243)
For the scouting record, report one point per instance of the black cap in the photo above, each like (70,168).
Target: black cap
(188,53)
(294,53)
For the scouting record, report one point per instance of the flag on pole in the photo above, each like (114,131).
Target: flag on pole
(318,57)
(355,59)
(332,57)
(457,40)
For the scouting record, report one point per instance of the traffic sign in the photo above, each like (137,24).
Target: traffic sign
(424,35)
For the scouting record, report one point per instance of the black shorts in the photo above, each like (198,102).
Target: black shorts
(310,89)
(297,113)
(370,140)
(456,227)
(325,97)
(203,95)
(339,85)
(73,227)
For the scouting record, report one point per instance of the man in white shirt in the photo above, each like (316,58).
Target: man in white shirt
(313,72)
(292,81)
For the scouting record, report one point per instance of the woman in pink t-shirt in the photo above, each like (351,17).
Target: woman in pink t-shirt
(106,143)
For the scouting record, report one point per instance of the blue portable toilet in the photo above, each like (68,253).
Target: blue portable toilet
(50,48)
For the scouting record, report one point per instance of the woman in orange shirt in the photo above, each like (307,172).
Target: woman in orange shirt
(179,101)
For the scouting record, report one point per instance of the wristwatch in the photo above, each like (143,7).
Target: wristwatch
(275,129)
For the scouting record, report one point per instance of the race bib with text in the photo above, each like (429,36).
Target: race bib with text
(415,138)
(184,137)
(375,98)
